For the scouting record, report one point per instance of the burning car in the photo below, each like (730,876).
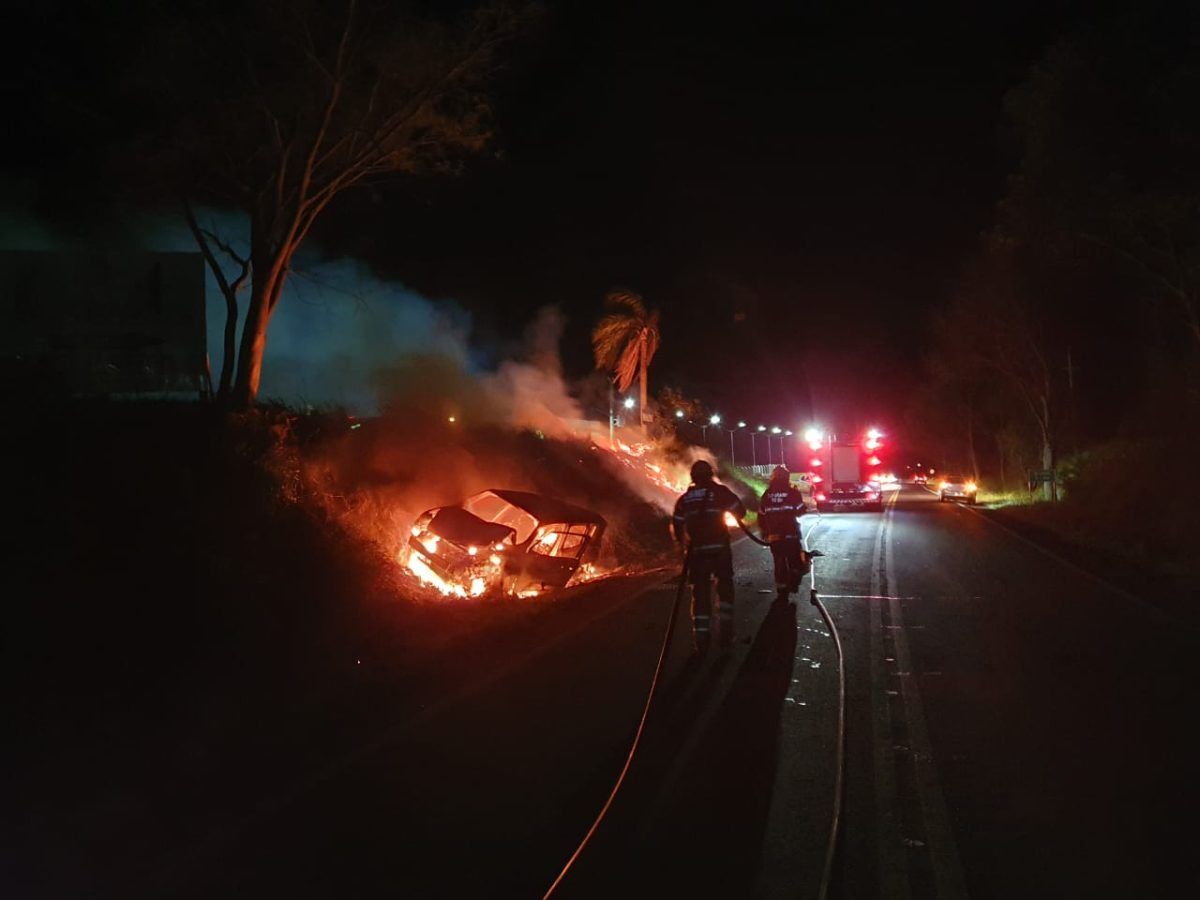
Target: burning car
(510,542)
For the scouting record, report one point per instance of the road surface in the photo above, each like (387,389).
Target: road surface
(1015,729)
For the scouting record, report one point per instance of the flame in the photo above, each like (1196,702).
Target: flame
(415,564)
(643,459)
(730,521)
(430,578)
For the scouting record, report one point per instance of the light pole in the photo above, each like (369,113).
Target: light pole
(782,449)
(754,446)
(628,405)
(732,452)
(714,419)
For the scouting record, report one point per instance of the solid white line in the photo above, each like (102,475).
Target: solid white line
(947,868)
(891,859)
(1063,561)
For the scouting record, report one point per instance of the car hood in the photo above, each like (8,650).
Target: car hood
(456,524)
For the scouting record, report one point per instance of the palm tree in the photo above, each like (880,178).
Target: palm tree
(625,341)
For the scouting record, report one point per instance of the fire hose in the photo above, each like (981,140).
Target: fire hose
(637,737)
(835,824)
(839,771)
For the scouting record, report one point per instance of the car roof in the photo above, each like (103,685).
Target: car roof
(548,509)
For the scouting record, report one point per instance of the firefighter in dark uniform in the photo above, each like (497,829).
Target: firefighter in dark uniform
(699,524)
(779,510)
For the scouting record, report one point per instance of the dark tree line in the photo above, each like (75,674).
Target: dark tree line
(1078,319)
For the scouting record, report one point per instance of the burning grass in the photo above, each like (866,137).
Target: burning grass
(376,479)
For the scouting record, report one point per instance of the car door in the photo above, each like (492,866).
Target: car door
(553,555)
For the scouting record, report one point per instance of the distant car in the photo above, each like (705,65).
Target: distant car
(919,478)
(957,487)
(849,495)
(512,542)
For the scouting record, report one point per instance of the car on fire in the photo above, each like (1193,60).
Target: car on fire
(511,542)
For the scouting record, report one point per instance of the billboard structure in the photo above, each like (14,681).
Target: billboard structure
(106,323)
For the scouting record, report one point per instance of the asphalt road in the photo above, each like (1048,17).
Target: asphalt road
(1015,728)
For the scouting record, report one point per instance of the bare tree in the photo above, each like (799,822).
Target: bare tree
(991,338)
(275,108)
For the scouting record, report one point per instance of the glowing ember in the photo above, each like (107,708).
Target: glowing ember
(432,579)
(730,521)
(642,458)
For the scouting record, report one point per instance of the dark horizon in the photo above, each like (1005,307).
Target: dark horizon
(776,172)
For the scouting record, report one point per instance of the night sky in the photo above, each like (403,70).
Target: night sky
(795,185)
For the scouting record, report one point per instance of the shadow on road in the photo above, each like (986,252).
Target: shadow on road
(707,835)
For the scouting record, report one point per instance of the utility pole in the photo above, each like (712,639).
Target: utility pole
(612,442)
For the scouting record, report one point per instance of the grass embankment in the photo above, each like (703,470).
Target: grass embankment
(997,498)
(1120,514)
(187,628)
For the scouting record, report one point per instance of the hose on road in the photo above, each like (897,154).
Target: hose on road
(839,773)
(840,756)
(637,737)
(835,824)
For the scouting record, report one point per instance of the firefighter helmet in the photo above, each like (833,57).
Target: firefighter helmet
(702,471)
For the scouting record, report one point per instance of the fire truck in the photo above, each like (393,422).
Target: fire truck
(844,471)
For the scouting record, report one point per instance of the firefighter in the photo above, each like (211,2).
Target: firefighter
(699,525)
(779,511)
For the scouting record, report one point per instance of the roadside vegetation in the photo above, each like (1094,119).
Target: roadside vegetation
(202,612)
(1070,343)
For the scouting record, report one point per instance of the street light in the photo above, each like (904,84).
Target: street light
(679,413)
(754,445)
(813,435)
(629,403)
(732,452)
(775,429)
(714,419)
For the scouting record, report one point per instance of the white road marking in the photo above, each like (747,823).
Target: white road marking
(891,858)
(939,834)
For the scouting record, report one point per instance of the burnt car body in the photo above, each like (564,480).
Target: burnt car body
(514,542)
